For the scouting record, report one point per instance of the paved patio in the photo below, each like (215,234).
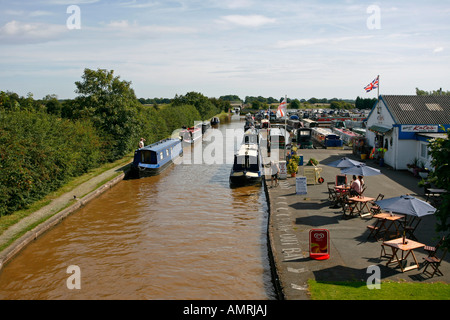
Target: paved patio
(351,253)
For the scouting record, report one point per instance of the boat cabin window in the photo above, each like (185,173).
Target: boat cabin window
(148,157)
(246,163)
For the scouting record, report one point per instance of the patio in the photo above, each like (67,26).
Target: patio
(351,251)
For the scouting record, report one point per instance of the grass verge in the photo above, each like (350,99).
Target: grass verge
(389,290)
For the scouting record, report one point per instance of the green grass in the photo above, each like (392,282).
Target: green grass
(388,291)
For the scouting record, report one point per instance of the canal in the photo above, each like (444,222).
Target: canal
(184,234)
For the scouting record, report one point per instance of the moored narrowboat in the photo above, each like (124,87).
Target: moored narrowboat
(155,158)
(247,166)
(326,138)
(191,135)
(215,121)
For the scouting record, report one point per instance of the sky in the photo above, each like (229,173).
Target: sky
(294,48)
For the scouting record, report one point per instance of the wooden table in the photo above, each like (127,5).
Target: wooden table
(342,188)
(361,204)
(385,221)
(406,249)
(433,192)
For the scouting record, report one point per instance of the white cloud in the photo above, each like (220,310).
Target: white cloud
(247,21)
(70,2)
(134,29)
(317,41)
(135,4)
(40,13)
(22,32)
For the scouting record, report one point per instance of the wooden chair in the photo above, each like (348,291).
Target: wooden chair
(374,209)
(362,191)
(373,231)
(331,195)
(347,205)
(435,263)
(383,252)
(410,227)
(432,250)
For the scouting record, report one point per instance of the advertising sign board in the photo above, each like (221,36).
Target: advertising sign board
(319,244)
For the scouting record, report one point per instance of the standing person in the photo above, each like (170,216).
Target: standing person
(275,170)
(141,143)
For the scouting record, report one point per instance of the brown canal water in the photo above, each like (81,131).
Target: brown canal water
(182,235)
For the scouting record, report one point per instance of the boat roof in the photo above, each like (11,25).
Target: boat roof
(251,150)
(323,130)
(161,145)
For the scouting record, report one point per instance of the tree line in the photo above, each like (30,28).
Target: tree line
(45,142)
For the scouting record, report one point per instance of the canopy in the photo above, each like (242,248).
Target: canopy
(344,163)
(361,170)
(407,205)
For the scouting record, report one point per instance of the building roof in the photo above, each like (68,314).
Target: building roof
(418,109)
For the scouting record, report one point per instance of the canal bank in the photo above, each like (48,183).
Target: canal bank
(17,237)
(292,216)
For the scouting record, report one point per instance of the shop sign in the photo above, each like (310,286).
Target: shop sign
(419,128)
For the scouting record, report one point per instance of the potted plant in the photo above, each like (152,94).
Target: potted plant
(312,162)
(413,166)
(292,166)
(381,152)
(425,184)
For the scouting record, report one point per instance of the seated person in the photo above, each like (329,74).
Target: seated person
(355,188)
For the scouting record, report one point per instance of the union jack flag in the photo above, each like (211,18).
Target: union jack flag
(373,85)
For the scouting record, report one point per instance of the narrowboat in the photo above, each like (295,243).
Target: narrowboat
(215,121)
(304,138)
(153,159)
(278,138)
(205,127)
(326,138)
(247,168)
(251,136)
(191,135)
(346,135)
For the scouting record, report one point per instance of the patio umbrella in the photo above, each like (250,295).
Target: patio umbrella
(344,163)
(407,205)
(361,170)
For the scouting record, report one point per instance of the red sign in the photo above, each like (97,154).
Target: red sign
(319,244)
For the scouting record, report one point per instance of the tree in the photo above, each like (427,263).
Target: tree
(204,105)
(113,107)
(439,92)
(440,176)
(295,104)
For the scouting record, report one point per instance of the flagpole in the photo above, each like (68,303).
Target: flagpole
(378,92)
(285,131)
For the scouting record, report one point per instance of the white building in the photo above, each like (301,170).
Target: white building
(403,126)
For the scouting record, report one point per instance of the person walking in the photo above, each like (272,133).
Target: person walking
(275,171)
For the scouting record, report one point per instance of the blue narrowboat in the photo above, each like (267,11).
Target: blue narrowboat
(155,158)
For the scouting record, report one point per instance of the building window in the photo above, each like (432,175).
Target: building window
(424,150)
(406,107)
(434,107)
